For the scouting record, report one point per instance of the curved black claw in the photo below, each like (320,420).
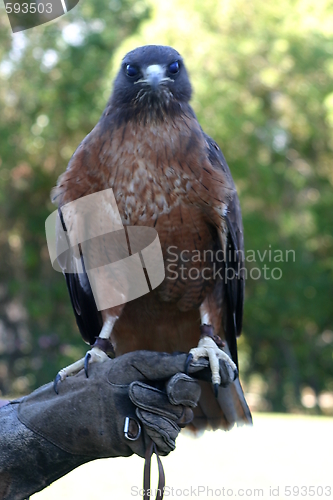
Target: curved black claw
(216,390)
(56,383)
(86,363)
(236,374)
(187,363)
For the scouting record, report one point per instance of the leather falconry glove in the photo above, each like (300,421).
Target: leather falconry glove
(126,404)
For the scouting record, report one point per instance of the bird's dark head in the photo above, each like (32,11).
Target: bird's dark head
(152,80)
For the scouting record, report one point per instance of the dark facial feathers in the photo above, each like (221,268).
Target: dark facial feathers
(151,79)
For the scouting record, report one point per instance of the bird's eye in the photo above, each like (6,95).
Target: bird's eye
(174,67)
(131,70)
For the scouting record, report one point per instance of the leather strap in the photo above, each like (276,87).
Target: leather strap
(104,345)
(208,331)
(146,474)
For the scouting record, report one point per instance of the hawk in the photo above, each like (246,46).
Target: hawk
(166,174)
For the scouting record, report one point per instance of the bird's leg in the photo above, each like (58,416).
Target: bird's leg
(210,346)
(97,354)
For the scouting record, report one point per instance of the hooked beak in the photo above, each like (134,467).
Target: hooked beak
(154,74)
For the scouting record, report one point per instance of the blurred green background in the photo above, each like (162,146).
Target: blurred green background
(263,80)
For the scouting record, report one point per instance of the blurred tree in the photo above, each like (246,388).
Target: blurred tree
(262,75)
(53,82)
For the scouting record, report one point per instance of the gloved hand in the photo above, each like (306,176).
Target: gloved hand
(45,435)
(92,411)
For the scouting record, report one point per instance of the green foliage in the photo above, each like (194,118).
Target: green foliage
(52,94)
(262,75)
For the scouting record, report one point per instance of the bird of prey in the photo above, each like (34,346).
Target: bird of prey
(166,174)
